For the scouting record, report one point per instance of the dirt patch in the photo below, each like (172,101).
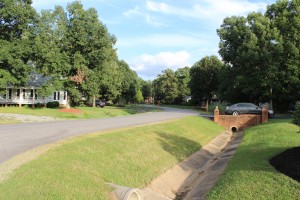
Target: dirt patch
(288,163)
(70,110)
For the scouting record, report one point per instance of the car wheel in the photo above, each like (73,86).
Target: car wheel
(235,112)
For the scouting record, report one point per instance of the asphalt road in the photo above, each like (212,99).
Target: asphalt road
(18,138)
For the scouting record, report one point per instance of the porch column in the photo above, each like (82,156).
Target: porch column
(6,97)
(20,96)
(67,100)
(33,97)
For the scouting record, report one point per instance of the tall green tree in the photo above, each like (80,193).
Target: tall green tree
(17,22)
(166,86)
(262,54)
(285,17)
(251,48)
(50,49)
(204,77)
(90,48)
(76,46)
(129,83)
(183,77)
(147,89)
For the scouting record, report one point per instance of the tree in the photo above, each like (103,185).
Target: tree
(139,97)
(129,83)
(284,16)
(50,53)
(17,21)
(75,46)
(183,77)
(262,54)
(166,87)
(204,77)
(146,87)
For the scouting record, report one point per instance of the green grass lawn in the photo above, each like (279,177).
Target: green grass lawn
(132,157)
(87,112)
(249,174)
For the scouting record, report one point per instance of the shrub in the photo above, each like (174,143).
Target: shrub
(53,104)
(296,119)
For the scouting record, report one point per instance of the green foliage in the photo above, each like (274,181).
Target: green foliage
(17,20)
(204,77)
(296,114)
(139,97)
(53,104)
(262,53)
(166,87)
(129,83)
(183,77)
(146,87)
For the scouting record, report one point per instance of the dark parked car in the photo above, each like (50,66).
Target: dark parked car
(100,103)
(245,108)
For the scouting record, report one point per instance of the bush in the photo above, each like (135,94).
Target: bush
(53,104)
(212,106)
(296,115)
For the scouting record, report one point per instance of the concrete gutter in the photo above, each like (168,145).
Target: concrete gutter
(193,177)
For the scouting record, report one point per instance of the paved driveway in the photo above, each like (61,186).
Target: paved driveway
(18,138)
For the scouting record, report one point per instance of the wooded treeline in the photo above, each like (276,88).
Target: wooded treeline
(260,61)
(260,57)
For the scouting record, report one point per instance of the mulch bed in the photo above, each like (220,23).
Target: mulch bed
(70,110)
(288,163)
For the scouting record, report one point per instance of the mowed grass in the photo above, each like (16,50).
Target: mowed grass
(249,174)
(132,157)
(86,112)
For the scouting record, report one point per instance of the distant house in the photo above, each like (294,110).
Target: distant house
(28,95)
(186,99)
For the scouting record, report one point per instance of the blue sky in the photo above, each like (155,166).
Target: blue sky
(153,35)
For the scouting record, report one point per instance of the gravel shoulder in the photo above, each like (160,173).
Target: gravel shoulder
(25,118)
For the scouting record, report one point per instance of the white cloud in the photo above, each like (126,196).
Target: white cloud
(150,65)
(136,11)
(42,4)
(164,40)
(210,10)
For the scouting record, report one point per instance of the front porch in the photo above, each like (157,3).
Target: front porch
(29,96)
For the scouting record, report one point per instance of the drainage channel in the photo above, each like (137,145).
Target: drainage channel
(215,169)
(192,178)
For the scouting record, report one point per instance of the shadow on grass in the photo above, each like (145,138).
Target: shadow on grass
(178,146)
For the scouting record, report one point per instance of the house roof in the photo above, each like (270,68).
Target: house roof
(37,80)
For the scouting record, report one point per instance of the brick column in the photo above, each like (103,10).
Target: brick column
(264,115)
(216,114)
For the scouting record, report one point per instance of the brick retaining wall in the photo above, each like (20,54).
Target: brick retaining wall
(239,122)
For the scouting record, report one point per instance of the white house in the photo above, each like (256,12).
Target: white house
(28,95)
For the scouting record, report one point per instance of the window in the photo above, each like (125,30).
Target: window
(58,95)
(54,98)
(18,93)
(65,95)
(24,91)
(31,93)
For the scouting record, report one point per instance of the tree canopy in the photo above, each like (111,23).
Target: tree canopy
(17,22)
(262,54)
(204,77)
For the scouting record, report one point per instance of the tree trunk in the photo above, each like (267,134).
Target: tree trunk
(94,101)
